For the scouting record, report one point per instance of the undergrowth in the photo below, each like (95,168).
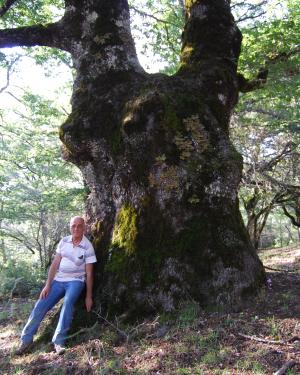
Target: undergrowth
(260,339)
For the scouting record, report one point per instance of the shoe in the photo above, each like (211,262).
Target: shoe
(24,348)
(59,349)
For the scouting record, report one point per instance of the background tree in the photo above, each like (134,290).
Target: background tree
(270,48)
(38,190)
(291,208)
(270,173)
(155,154)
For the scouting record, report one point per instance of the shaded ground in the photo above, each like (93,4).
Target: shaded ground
(191,342)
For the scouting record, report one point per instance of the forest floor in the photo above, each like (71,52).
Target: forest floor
(258,340)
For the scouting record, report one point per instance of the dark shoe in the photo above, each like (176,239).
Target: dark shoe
(24,348)
(59,349)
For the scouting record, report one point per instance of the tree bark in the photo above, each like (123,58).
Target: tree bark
(156,156)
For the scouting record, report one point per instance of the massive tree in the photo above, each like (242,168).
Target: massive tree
(155,155)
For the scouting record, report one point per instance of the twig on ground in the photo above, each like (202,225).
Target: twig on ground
(280,270)
(83,330)
(145,325)
(275,342)
(123,333)
(294,338)
(285,367)
(132,332)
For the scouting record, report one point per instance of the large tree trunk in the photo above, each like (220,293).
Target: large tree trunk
(157,160)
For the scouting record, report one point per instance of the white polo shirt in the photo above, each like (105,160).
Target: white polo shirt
(74,259)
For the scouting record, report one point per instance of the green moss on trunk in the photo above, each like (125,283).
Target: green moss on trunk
(125,229)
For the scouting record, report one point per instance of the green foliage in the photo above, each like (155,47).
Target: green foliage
(36,185)
(268,118)
(39,191)
(158,25)
(32,170)
(274,328)
(188,314)
(273,44)
(20,278)
(2,57)
(26,13)
(210,341)
(49,58)
(269,36)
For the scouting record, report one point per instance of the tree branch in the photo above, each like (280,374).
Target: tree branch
(287,149)
(169,40)
(22,240)
(144,14)
(6,6)
(49,35)
(281,184)
(245,17)
(17,99)
(7,80)
(232,7)
(249,10)
(273,114)
(290,216)
(222,46)
(246,85)
(9,68)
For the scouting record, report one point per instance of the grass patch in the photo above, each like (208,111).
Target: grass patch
(188,314)
(248,364)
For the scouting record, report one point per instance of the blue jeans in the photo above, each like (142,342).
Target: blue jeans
(70,290)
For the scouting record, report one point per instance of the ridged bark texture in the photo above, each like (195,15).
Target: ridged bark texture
(161,173)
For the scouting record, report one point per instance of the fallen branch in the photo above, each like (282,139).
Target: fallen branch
(285,367)
(132,332)
(83,330)
(121,332)
(278,269)
(276,342)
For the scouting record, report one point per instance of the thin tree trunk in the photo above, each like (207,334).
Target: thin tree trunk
(2,245)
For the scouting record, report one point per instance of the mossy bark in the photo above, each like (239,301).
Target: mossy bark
(156,156)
